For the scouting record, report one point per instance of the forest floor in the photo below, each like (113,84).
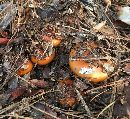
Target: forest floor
(38,80)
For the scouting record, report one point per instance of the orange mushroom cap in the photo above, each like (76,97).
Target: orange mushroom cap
(26,68)
(94,71)
(43,61)
(56,42)
(83,70)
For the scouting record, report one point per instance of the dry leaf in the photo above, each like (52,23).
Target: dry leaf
(39,83)
(17,92)
(69,101)
(100,25)
(3,40)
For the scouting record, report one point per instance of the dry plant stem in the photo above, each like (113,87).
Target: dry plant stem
(115,83)
(112,101)
(12,73)
(19,104)
(17,58)
(10,41)
(16,116)
(46,113)
(111,104)
(23,79)
(66,112)
(87,8)
(84,104)
(32,85)
(98,95)
(107,18)
(5,10)
(116,32)
(34,14)
(70,27)
(20,9)
(26,105)
(109,37)
(23,103)
(46,46)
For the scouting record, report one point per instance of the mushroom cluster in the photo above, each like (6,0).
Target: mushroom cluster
(42,57)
